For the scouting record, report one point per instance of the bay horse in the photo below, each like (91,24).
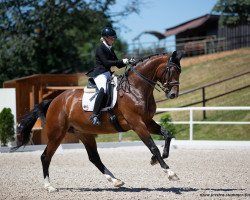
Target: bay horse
(134,109)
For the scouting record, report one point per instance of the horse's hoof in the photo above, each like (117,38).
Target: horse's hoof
(165,155)
(51,189)
(153,162)
(118,183)
(173,178)
(171,175)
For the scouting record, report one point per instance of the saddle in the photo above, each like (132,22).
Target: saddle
(90,94)
(91,91)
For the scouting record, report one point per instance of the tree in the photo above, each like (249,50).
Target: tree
(7,131)
(51,36)
(165,122)
(233,12)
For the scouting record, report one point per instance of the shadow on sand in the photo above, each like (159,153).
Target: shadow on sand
(176,190)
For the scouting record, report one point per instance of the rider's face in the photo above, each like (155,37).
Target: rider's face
(110,40)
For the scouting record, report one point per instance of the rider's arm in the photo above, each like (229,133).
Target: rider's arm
(107,62)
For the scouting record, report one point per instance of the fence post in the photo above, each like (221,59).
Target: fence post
(120,137)
(191,124)
(204,102)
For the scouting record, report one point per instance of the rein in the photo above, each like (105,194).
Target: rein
(153,83)
(147,80)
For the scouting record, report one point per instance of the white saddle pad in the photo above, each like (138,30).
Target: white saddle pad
(88,101)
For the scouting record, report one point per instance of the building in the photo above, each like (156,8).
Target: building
(203,26)
(200,35)
(196,36)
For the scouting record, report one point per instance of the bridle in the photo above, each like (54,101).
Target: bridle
(163,86)
(169,84)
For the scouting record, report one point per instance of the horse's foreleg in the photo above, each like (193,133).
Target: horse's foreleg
(148,141)
(90,145)
(155,128)
(168,137)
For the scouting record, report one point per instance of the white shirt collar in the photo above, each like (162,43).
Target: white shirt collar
(108,46)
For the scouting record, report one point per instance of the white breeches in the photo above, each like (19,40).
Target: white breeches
(101,80)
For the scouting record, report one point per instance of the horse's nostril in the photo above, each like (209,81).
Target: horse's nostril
(172,96)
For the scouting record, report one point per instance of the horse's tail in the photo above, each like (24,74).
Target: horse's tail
(28,121)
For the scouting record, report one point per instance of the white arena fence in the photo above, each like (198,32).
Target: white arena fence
(191,121)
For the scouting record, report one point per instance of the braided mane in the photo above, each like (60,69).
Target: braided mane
(148,57)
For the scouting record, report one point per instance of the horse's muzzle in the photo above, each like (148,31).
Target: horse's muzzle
(171,96)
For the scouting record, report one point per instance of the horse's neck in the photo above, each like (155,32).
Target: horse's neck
(140,85)
(146,69)
(149,68)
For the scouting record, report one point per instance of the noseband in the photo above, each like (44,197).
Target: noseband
(165,86)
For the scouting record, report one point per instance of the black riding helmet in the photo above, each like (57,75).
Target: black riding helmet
(108,32)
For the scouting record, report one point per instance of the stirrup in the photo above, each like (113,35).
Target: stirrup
(95,120)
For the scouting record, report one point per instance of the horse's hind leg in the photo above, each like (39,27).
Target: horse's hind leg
(45,163)
(90,145)
(55,137)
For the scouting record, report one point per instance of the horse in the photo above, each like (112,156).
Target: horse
(134,109)
(200,46)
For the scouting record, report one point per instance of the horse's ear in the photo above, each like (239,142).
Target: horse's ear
(174,54)
(179,55)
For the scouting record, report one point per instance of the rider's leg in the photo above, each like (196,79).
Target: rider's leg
(95,118)
(101,81)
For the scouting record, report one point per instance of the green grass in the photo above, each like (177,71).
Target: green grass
(218,132)
(201,73)
(127,136)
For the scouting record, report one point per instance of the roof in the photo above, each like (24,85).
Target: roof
(190,24)
(154,33)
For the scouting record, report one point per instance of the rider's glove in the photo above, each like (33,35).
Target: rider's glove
(131,60)
(125,61)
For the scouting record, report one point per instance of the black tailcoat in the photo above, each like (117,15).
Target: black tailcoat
(105,59)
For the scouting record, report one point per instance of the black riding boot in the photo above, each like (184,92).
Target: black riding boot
(95,118)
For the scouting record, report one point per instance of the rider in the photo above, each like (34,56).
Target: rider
(105,59)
